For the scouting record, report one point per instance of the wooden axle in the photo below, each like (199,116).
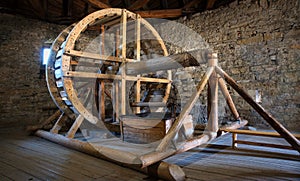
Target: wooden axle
(167,62)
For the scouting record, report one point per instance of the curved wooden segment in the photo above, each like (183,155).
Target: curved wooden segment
(289,137)
(51,80)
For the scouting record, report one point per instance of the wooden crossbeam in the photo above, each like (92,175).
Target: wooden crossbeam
(98,4)
(176,61)
(169,13)
(138,4)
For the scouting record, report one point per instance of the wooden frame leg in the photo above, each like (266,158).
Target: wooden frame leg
(75,126)
(228,99)
(44,123)
(288,136)
(234,138)
(57,126)
(186,110)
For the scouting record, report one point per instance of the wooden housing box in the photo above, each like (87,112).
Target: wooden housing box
(144,130)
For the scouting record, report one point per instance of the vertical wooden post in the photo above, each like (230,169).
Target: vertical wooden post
(102,101)
(213,124)
(101,93)
(208,101)
(228,98)
(123,81)
(75,126)
(116,83)
(234,138)
(138,58)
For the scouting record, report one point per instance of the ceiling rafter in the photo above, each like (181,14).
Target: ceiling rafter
(191,4)
(210,4)
(168,13)
(138,4)
(98,4)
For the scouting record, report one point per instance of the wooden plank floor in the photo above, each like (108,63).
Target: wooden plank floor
(31,158)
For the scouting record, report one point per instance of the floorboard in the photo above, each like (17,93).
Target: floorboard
(25,157)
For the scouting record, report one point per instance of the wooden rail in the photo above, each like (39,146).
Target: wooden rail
(235,141)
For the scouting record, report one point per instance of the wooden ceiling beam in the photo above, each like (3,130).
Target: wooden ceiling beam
(138,4)
(98,4)
(191,4)
(168,13)
(210,4)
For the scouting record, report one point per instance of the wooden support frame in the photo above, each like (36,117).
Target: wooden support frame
(214,75)
(58,125)
(260,110)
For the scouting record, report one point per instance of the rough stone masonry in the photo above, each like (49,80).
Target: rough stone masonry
(258,44)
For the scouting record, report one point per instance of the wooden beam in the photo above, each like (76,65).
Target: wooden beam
(169,13)
(159,169)
(213,124)
(191,4)
(75,126)
(59,123)
(123,72)
(138,58)
(185,112)
(166,63)
(210,4)
(260,110)
(138,4)
(257,133)
(44,123)
(98,4)
(228,99)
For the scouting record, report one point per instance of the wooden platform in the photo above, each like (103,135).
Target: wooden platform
(32,158)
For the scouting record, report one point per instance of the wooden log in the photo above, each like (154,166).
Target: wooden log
(260,110)
(160,169)
(44,123)
(75,126)
(166,171)
(153,157)
(228,99)
(185,111)
(167,62)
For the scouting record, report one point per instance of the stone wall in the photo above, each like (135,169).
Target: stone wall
(258,44)
(24,97)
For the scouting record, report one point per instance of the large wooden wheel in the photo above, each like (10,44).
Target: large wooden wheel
(81,78)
